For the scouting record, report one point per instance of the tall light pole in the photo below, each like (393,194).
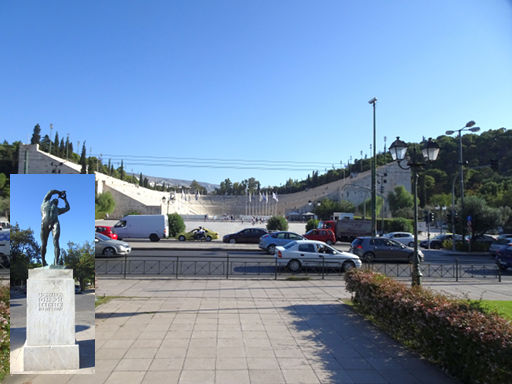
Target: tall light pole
(468,127)
(430,152)
(374,168)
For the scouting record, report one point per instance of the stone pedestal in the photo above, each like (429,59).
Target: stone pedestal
(50,343)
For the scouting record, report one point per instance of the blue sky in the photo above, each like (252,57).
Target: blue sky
(281,81)
(76,225)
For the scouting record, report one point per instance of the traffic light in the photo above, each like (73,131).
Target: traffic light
(431,216)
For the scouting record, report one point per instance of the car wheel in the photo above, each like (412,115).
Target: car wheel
(109,251)
(232,241)
(294,266)
(181,238)
(368,257)
(208,238)
(411,244)
(271,249)
(154,237)
(348,265)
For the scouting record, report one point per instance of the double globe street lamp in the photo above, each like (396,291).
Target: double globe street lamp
(430,151)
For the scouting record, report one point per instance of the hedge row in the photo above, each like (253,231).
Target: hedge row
(458,335)
(4,331)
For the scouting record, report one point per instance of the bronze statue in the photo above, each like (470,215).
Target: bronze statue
(50,222)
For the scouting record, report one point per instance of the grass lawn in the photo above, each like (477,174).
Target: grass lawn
(504,308)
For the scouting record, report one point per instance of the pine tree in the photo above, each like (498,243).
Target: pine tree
(140,179)
(121,170)
(83,160)
(36,135)
(45,143)
(62,148)
(55,147)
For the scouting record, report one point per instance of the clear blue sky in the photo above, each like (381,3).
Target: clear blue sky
(76,225)
(263,80)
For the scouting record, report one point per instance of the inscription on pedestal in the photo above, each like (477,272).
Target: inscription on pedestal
(50,301)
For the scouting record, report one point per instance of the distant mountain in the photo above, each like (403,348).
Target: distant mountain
(175,182)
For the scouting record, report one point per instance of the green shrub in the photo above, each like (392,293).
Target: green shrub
(312,224)
(277,223)
(176,224)
(399,225)
(459,335)
(463,246)
(4,331)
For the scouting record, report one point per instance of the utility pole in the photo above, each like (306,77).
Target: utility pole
(374,170)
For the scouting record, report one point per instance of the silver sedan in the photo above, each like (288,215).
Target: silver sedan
(314,253)
(105,246)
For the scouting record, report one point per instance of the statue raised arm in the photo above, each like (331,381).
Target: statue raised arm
(50,222)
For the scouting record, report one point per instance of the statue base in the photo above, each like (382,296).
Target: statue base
(50,343)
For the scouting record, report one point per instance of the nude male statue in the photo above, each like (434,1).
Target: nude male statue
(50,222)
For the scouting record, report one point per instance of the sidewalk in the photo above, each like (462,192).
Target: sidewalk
(240,331)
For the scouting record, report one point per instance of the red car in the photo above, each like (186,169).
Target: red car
(325,235)
(107,231)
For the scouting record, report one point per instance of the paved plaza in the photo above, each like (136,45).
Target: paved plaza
(246,331)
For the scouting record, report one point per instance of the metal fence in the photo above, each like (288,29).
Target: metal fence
(228,267)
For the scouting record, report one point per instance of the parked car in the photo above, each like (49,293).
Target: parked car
(195,234)
(437,242)
(313,253)
(504,257)
(381,249)
(405,238)
(105,246)
(498,244)
(269,242)
(107,231)
(248,235)
(154,227)
(325,235)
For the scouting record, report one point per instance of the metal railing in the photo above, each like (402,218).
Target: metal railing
(230,266)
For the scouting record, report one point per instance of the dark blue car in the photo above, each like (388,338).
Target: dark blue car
(504,257)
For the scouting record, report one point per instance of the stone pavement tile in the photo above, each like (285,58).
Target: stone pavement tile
(197,377)
(169,364)
(206,327)
(354,363)
(106,365)
(330,376)
(146,343)
(255,335)
(230,342)
(125,377)
(201,363)
(290,352)
(385,363)
(202,352)
(48,379)
(203,334)
(178,334)
(300,376)
(202,342)
(167,377)
(259,343)
(141,353)
(266,376)
(262,363)
(232,376)
(152,335)
(424,371)
(164,353)
(231,351)
(258,351)
(366,376)
(97,378)
(121,344)
(110,353)
(227,363)
(172,343)
(133,365)
(292,363)
(399,376)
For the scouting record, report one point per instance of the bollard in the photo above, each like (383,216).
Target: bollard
(125,261)
(275,269)
(227,266)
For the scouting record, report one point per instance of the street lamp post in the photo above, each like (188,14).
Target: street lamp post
(468,127)
(430,152)
(374,167)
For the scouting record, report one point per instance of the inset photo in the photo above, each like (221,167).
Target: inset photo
(52,274)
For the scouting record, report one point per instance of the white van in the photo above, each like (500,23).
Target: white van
(153,227)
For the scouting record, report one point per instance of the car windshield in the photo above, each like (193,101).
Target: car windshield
(102,237)
(290,244)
